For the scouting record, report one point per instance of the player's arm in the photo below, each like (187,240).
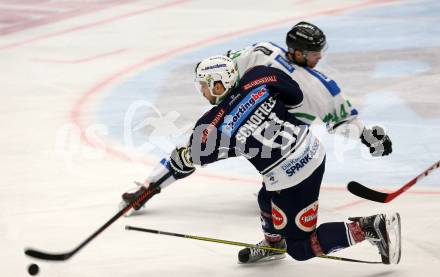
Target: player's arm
(342,117)
(199,151)
(289,91)
(177,166)
(345,120)
(180,164)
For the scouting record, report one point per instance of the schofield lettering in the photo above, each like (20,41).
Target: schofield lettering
(255,120)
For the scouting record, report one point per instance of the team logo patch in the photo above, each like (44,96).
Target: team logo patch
(307,218)
(279,218)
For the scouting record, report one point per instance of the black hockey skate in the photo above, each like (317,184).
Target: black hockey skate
(384,232)
(253,255)
(129,197)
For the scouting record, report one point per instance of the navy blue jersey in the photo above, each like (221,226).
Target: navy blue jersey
(252,121)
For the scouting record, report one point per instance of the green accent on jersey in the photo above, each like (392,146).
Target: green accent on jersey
(328,118)
(348,103)
(331,117)
(305,115)
(343,113)
(234,55)
(334,117)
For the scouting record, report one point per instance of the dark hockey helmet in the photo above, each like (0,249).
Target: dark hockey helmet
(305,36)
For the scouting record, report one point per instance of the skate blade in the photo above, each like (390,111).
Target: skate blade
(267,259)
(393,226)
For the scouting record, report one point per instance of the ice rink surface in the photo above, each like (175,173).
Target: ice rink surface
(94,93)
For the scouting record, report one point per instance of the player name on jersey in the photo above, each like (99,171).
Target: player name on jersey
(255,120)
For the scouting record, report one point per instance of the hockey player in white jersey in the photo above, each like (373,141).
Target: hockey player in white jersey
(323,98)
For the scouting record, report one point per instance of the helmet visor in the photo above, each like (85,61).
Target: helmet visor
(202,86)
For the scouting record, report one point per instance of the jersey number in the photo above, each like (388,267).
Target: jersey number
(264,50)
(274,130)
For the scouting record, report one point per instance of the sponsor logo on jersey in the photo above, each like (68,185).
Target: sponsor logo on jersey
(212,125)
(279,218)
(307,218)
(243,109)
(293,166)
(255,120)
(234,99)
(214,66)
(260,81)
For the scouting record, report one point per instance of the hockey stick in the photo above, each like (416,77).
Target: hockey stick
(127,227)
(382,197)
(66,255)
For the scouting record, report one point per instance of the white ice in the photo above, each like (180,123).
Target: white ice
(80,81)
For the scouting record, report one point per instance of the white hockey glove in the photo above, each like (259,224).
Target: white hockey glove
(377,141)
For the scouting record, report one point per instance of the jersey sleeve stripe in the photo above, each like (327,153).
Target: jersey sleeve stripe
(305,115)
(331,85)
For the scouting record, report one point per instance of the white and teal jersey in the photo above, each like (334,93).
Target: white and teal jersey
(323,98)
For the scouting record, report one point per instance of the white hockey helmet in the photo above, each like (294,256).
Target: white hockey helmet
(216,69)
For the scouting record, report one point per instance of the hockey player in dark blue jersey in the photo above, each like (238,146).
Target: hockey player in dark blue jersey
(250,119)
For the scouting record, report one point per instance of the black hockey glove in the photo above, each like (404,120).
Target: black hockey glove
(378,142)
(180,163)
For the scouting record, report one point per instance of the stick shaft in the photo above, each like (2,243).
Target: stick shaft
(158,232)
(229,242)
(425,173)
(383,197)
(66,255)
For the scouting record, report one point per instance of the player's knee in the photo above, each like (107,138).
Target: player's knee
(306,248)
(297,252)
(299,249)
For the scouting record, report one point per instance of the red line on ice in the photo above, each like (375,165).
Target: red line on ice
(99,87)
(47,16)
(94,24)
(82,60)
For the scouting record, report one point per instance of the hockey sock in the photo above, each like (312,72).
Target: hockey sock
(332,236)
(264,201)
(327,238)
(354,233)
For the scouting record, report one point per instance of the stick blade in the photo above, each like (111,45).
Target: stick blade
(47,256)
(366,193)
